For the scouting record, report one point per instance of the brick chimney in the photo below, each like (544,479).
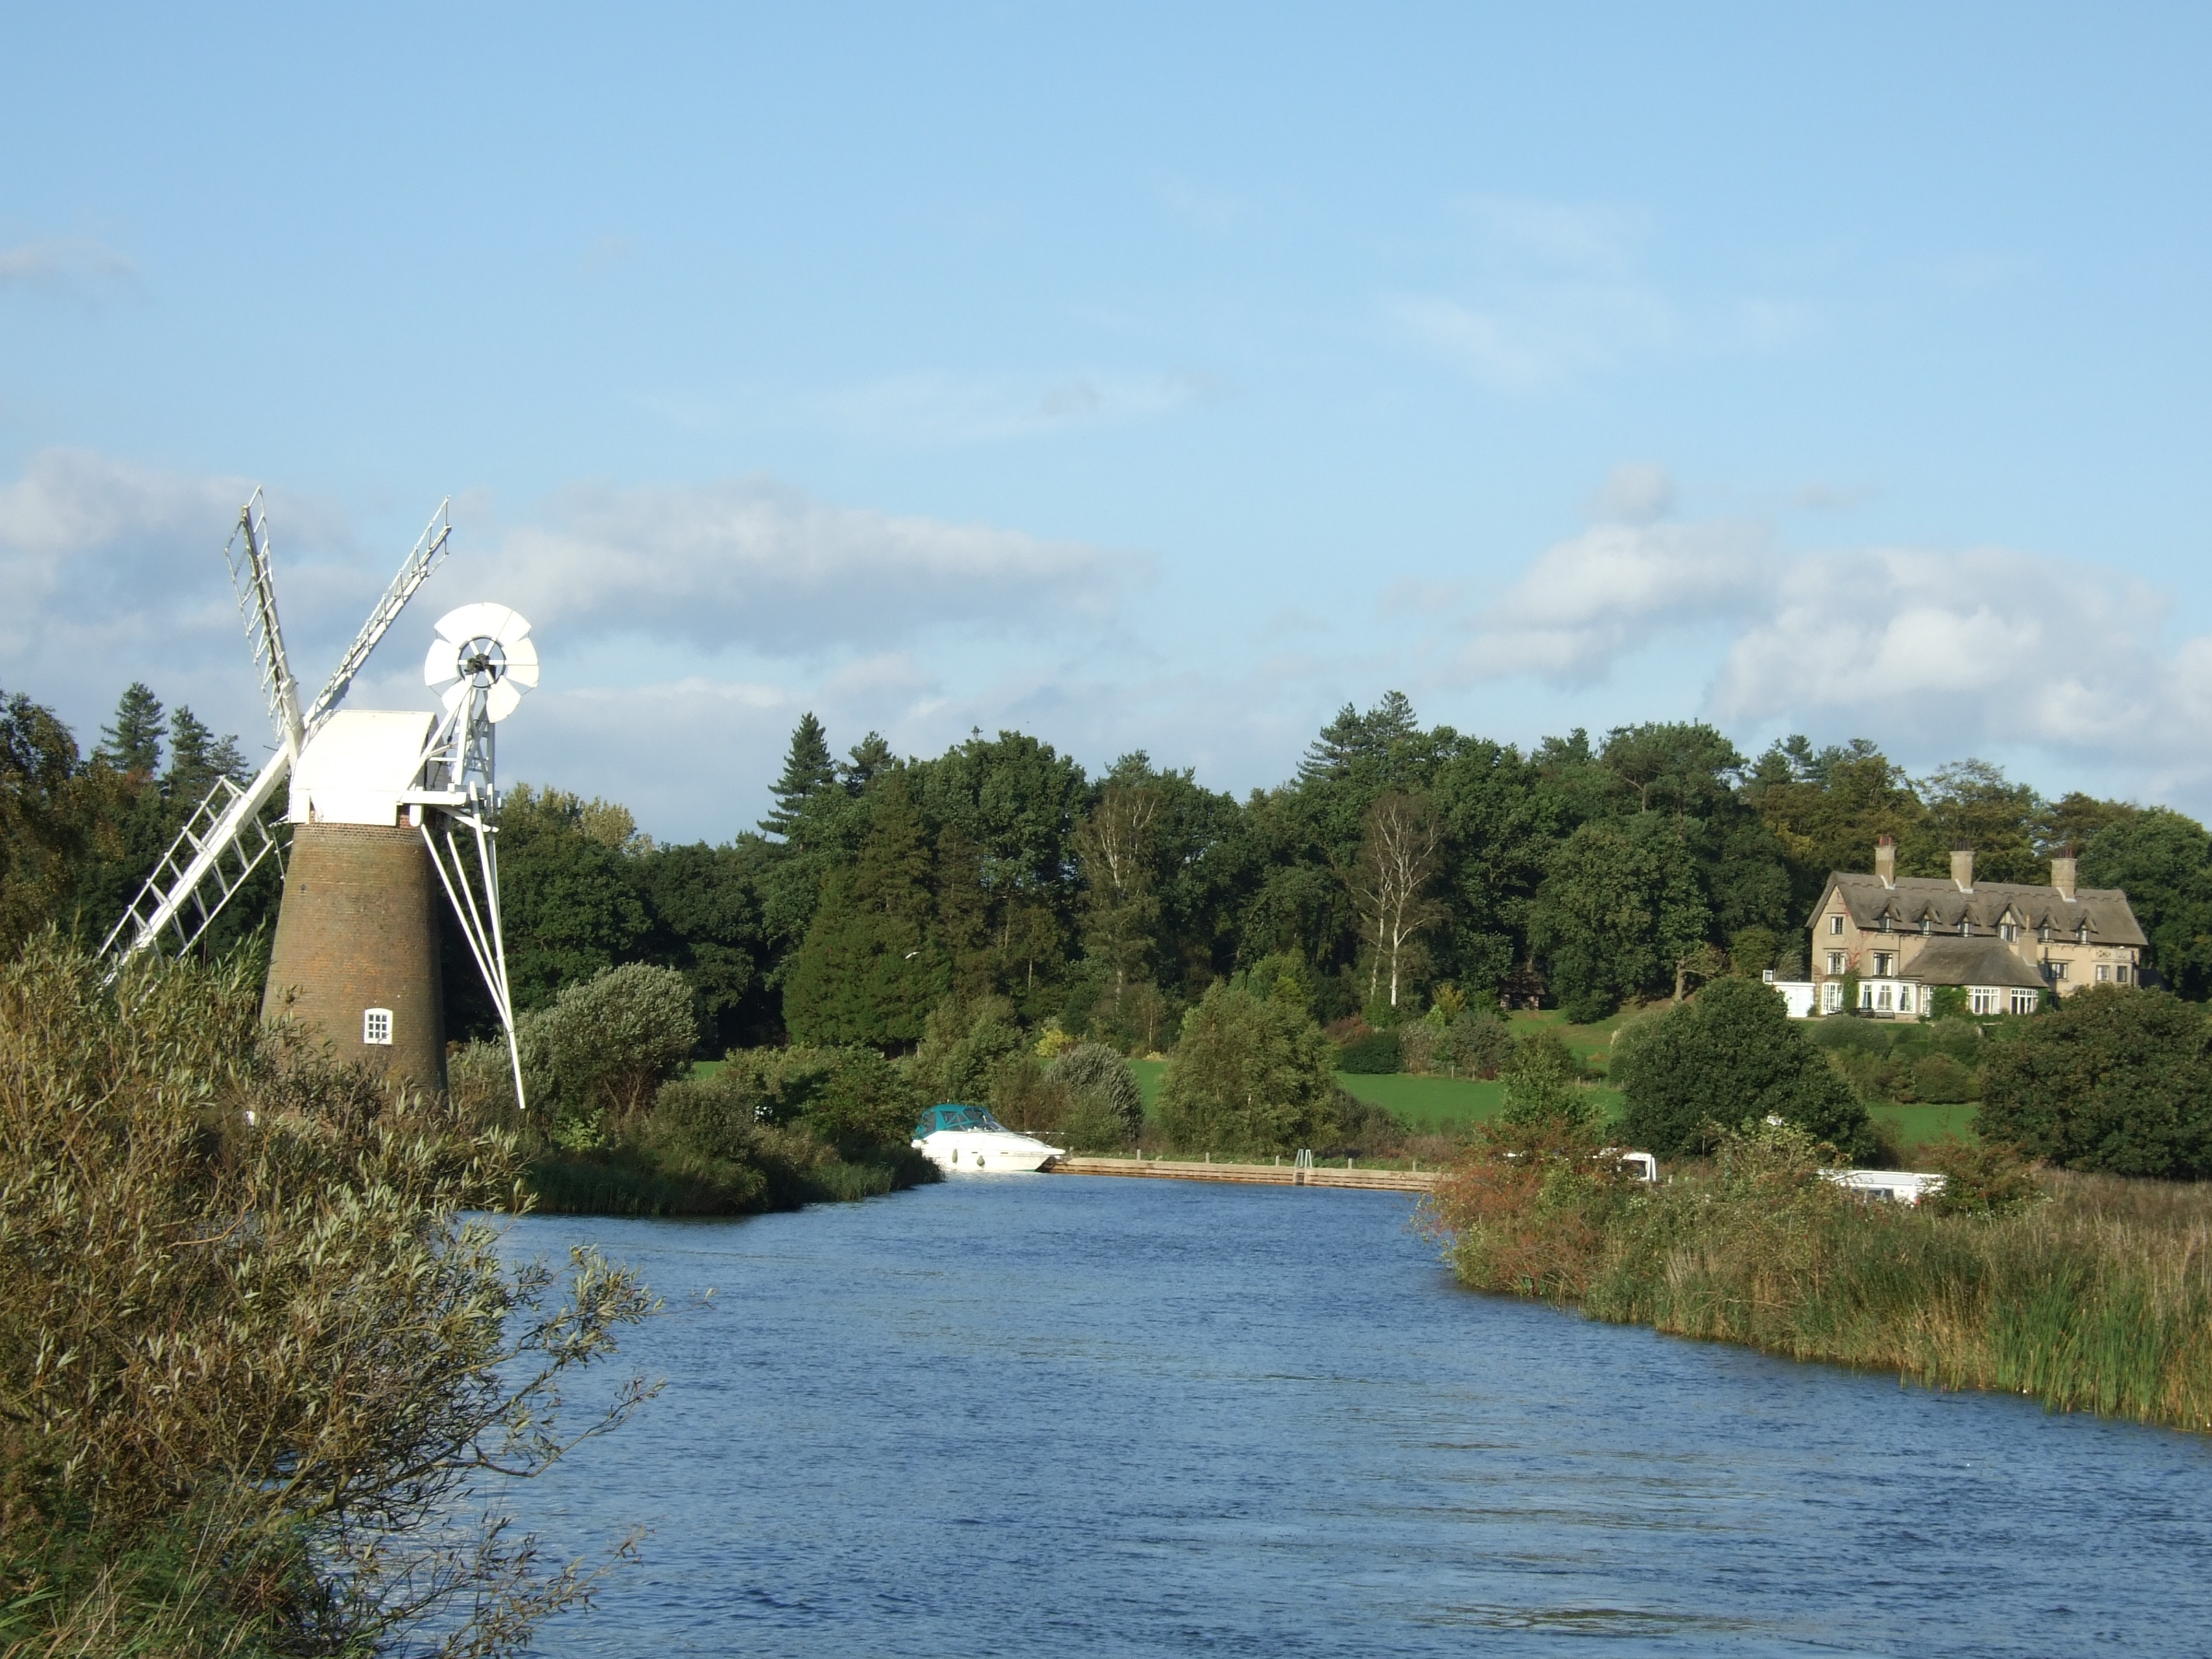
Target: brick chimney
(2061,873)
(1962,868)
(1885,859)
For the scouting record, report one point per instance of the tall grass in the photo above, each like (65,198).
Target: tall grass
(2094,1293)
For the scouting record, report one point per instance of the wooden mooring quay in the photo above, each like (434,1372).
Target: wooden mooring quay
(1265,1175)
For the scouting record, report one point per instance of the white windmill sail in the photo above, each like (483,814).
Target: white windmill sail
(226,840)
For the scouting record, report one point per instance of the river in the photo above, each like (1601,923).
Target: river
(1090,1416)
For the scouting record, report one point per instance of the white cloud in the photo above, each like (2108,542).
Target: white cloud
(1994,644)
(1612,590)
(756,564)
(1931,651)
(75,265)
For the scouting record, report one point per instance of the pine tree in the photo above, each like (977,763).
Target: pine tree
(872,758)
(193,761)
(870,971)
(1352,737)
(133,744)
(808,770)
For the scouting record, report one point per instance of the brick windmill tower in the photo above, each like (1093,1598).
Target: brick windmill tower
(378,803)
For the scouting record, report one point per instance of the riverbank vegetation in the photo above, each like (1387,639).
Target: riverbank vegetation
(2088,1292)
(2036,1268)
(259,1369)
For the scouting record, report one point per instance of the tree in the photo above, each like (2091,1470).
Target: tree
(808,770)
(606,1044)
(1686,767)
(1353,738)
(869,971)
(1120,901)
(1249,1075)
(573,903)
(871,758)
(42,832)
(197,759)
(1398,861)
(1971,803)
(2163,861)
(1619,908)
(132,744)
(1730,1057)
(259,1367)
(2113,1078)
(707,926)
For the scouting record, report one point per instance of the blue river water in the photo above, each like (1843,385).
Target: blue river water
(1090,1416)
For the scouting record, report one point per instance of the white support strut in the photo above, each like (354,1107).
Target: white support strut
(486,944)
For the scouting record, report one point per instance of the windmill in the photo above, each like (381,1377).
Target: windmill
(371,795)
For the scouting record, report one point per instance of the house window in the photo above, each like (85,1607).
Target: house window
(1832,997)
(2104,973)
(2054,971)
(1885,964)
(1835,961)
(2121,972)
(1982,998)
(2008,931)
(1835,923)
(376,1025)
(2025,1002)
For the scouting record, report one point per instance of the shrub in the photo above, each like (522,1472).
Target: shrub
(1731,1056)
(1024,1094)
(606,1045)
(2114,1078)
(1541,1074)
(961,1044)
(1250,1075)
(1938,1078)
(1476,1044)
(1106,1108)
(1375,1055)
(254,1361)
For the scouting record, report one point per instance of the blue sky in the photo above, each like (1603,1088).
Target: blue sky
(1136,376)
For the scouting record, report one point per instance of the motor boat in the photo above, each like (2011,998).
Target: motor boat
(967,1140)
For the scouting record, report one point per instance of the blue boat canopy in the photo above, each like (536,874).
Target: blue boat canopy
(957,1117)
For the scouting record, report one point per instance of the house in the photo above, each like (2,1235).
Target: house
(2003,943)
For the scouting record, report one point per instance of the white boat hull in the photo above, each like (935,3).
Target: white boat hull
(981,1152)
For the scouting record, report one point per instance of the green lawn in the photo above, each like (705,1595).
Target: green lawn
(1916,1124)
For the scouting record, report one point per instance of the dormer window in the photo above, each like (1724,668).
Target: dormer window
(1886,926)
(2007,931)
(1965,927)
(2043,934)
(2081,935)
(1926,925)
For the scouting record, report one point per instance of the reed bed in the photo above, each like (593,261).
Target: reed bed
(2090,1293)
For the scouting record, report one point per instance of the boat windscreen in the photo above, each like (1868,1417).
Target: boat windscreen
(957,1117)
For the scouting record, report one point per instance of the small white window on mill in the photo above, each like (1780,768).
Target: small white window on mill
(376,1025)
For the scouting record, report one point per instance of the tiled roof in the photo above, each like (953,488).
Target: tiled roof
(1939,900)
(1969,962)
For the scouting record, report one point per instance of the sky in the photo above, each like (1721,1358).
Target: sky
(1139,377)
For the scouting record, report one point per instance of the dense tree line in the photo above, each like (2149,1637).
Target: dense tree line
(1399,861)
